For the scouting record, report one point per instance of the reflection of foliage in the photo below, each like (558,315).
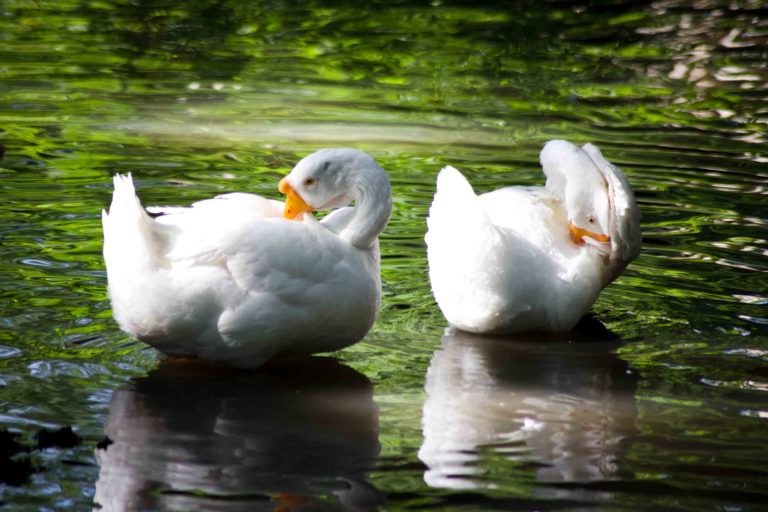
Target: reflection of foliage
(204,97)
(157,35)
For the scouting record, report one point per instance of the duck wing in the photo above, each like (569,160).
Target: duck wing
(193,234)
(246,235)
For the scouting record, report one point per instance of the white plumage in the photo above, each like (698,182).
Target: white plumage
(531,258)
(230,280)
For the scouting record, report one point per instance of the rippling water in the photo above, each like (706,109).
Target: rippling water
(660,401)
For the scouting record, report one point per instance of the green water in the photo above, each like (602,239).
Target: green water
(663,406)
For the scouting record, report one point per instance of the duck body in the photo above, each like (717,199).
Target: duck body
(230,280)
(512,260)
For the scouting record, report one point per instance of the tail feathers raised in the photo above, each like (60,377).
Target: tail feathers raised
(451,181)
(123,184)
(462,246)
(456,212)
(131,240)
(453,201)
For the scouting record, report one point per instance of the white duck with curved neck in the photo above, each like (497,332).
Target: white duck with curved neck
(531,258)
(332,178)
(230,280)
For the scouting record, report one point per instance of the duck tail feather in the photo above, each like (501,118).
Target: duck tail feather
(454,203)
(131,242)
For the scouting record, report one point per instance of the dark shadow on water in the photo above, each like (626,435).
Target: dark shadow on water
(528,412)
(292,435)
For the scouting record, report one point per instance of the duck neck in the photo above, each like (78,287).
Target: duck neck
(372,194)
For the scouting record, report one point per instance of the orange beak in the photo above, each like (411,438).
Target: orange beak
(294,204)
(578,234)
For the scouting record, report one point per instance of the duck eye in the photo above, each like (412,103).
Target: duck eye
(591,219)
(309,182)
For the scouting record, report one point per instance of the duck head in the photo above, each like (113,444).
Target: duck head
(599,202)
(586,201)
(574,178)
(322,181)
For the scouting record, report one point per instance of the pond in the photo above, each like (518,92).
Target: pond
(659,400)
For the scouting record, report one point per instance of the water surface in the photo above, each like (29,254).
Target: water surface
(662,405)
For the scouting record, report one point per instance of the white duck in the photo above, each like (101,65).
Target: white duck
(531,258)
(232,281)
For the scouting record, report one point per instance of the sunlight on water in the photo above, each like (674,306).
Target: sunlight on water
(287,134)
(658,402)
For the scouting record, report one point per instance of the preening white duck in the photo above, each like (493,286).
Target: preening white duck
(531,258)
(239,278)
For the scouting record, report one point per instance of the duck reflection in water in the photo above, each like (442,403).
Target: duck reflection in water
(294,435)
(541,412)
